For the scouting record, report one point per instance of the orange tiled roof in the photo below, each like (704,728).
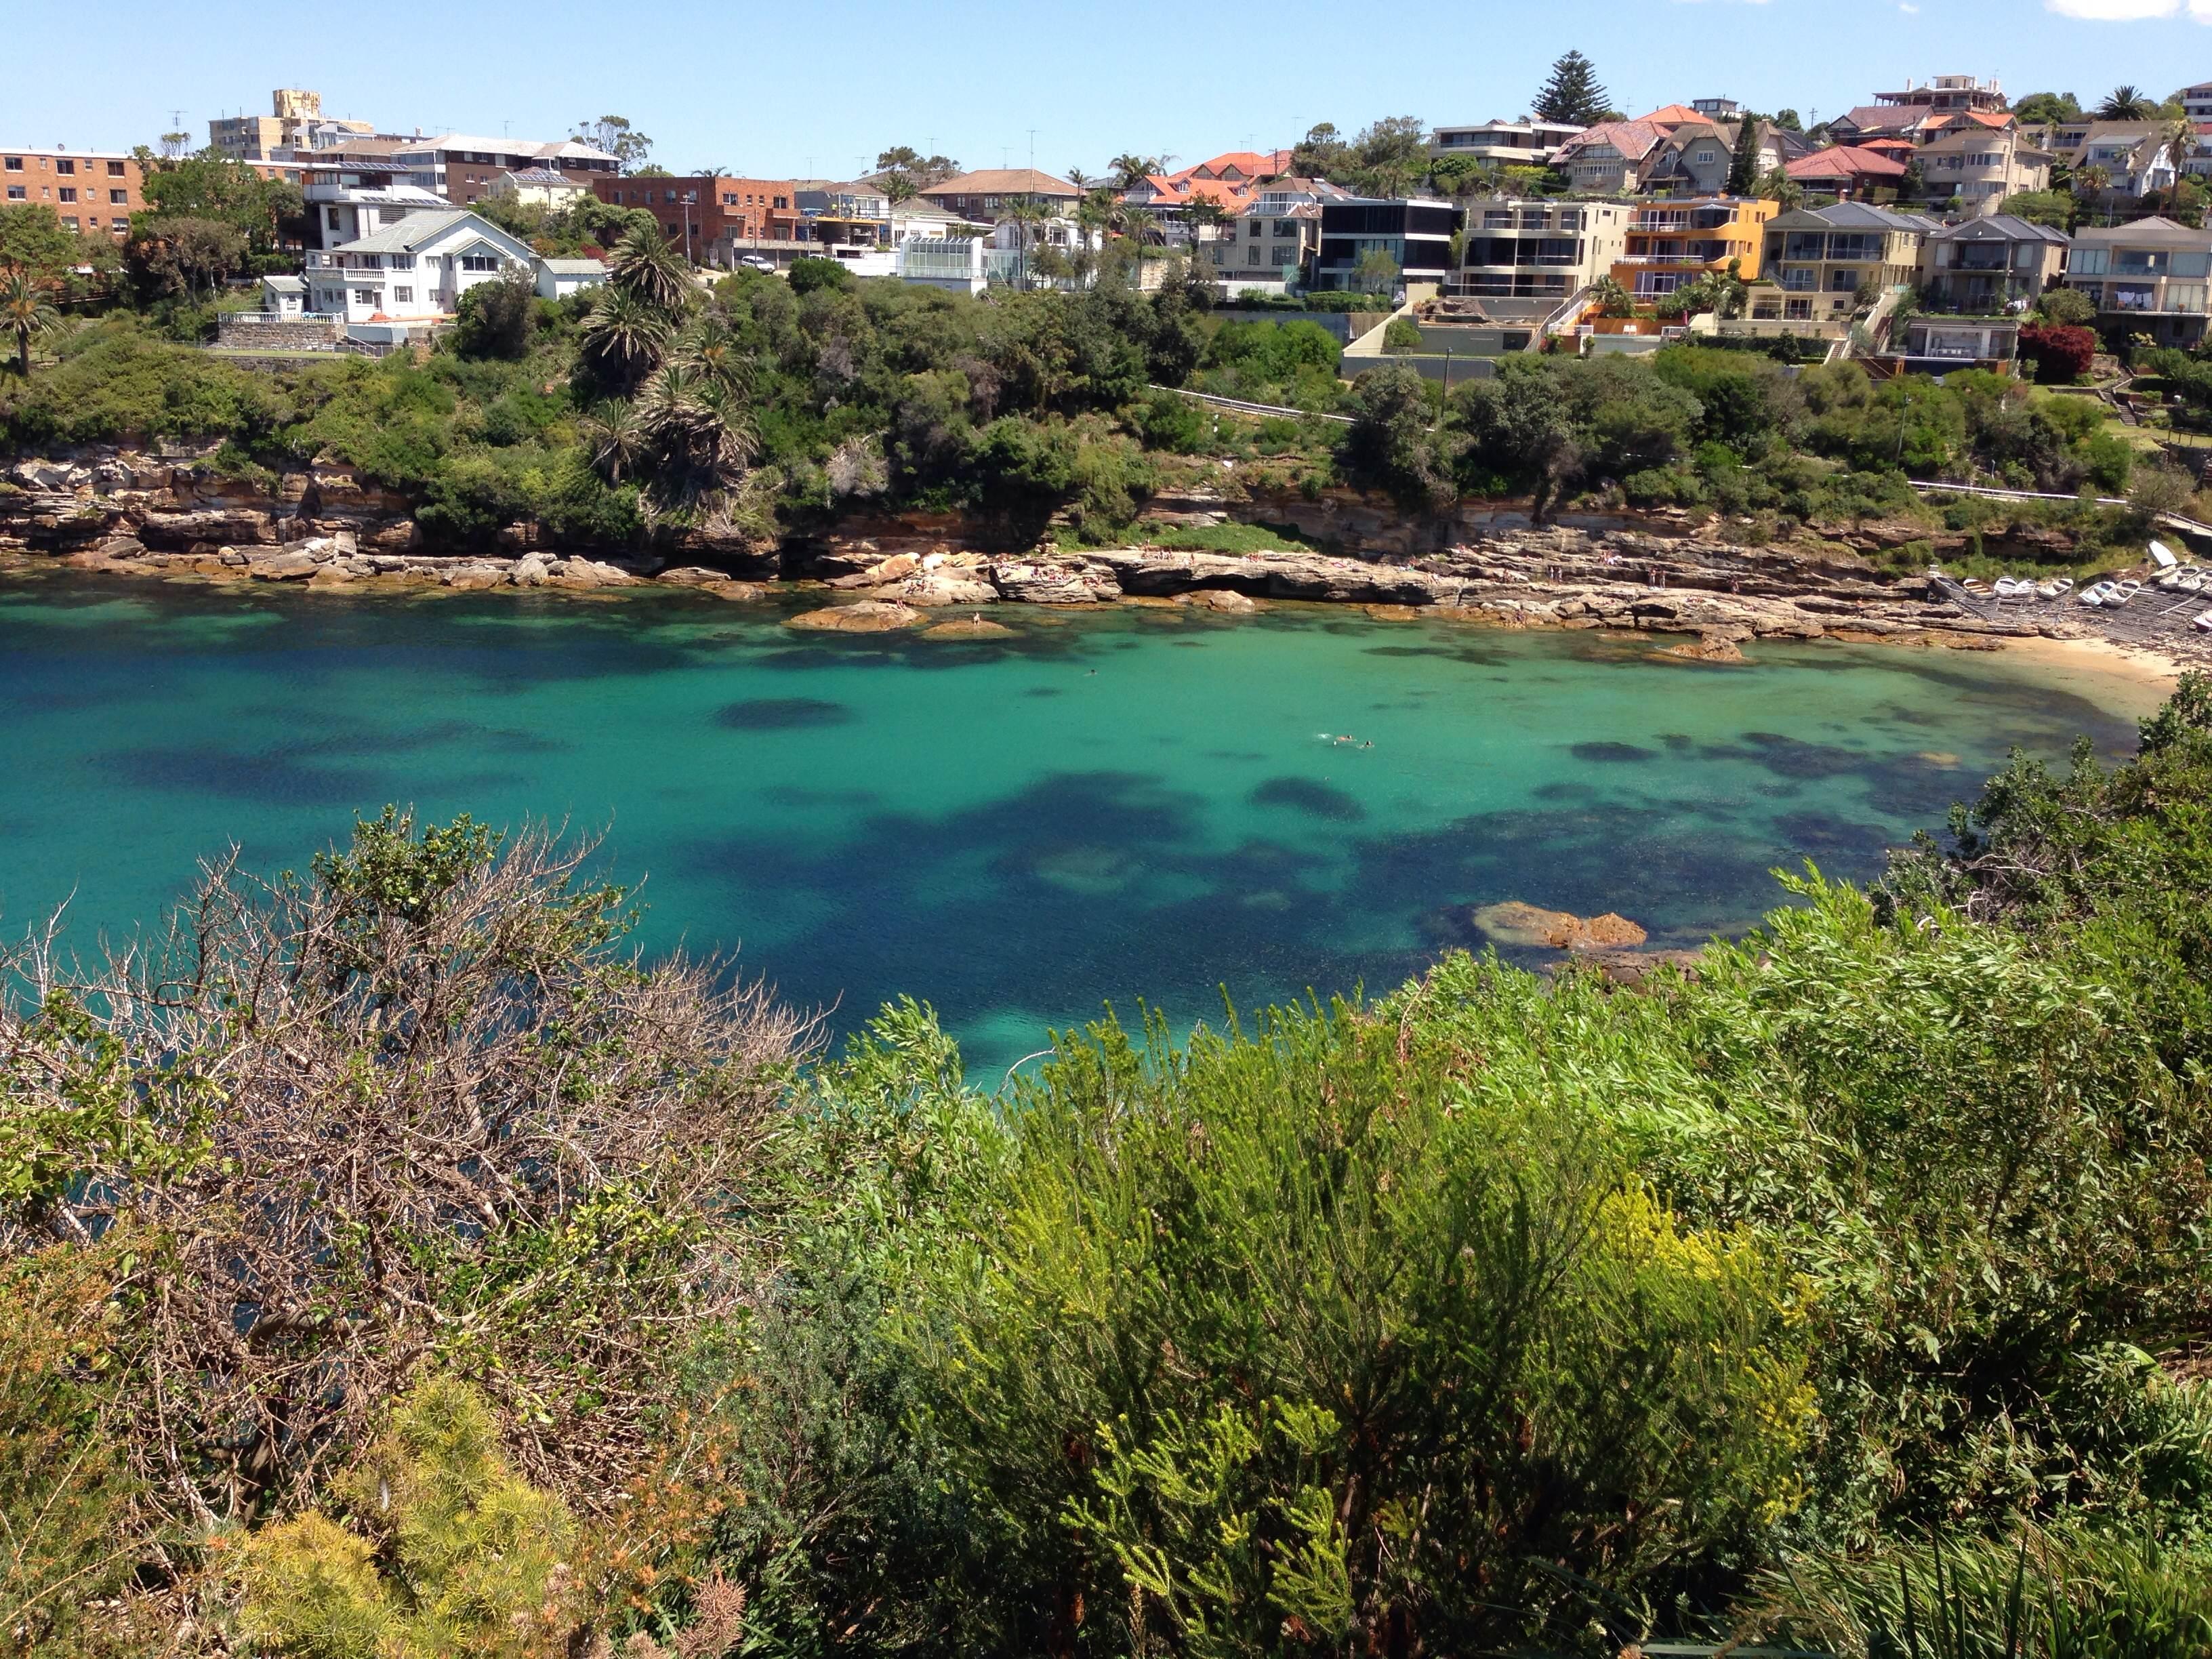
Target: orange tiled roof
(1845,161)
(1672,115)
(1634,139)
(1251,163)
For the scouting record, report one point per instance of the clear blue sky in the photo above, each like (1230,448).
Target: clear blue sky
(778,90)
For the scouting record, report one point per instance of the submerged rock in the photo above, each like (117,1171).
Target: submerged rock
(968,627)
(867,617)
(1515,923)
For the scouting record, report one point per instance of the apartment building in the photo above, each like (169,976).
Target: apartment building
(856,214)
(697,212)
(1416,232)
(1274,240)
(1524,143)
(295,123)
(1990,262)
(1820,259)
(1540,251)
(88,190)
(1673,243)
(1979,165)
(1947,93)
(2149,277)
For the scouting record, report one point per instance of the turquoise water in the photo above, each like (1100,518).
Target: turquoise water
(1142,803)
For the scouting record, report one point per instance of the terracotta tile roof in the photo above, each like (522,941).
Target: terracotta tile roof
(1672,115)
(1845,161)
(1251,163)
(1633,139)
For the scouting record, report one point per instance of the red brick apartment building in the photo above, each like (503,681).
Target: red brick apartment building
(696,213)
(89,190)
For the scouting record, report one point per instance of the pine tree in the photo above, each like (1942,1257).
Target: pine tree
(1743,164)
(1572,94)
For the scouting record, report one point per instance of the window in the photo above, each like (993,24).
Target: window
(70,220)
(66,166)
(403,296)
(364,296)
(69,193)
(92,223)
(115,170)
(15,164)
(15,192)
(333,212)
(670,194)
(783,201)
(401,261)
(1285,256)
(729,198)
(1842,281)
(2088,262)
(1705,158)
(482,261)
(1797,310)
(119,198)
(1251,256)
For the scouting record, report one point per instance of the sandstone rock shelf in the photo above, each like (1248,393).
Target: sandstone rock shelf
(128,513)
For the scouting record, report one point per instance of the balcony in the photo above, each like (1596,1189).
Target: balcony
(1683,259)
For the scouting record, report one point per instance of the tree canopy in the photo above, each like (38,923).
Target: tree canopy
(1571,93)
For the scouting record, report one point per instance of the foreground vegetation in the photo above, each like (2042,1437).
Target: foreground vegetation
(392,1266)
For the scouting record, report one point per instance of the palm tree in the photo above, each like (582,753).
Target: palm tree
(1026,215)
(1128,170)
(711,350)
(625,337)
(2126,103)
(1138,224)
(616,439)
(1611,299)
(25,312)
(646,268)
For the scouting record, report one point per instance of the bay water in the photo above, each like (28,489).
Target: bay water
(1140,804)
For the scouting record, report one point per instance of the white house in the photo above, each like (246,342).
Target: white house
(413,272)
(558,278)
(537,187)
(284,296)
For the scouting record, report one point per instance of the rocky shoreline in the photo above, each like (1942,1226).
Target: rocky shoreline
(129,514)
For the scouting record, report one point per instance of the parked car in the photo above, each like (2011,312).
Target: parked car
(757,262)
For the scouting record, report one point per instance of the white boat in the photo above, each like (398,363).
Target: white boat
(2007,588)
(2203,622)
(2162,557)
(2195,580)
(2120,595)
(2171,580)
(2097,593)
(2057,588)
